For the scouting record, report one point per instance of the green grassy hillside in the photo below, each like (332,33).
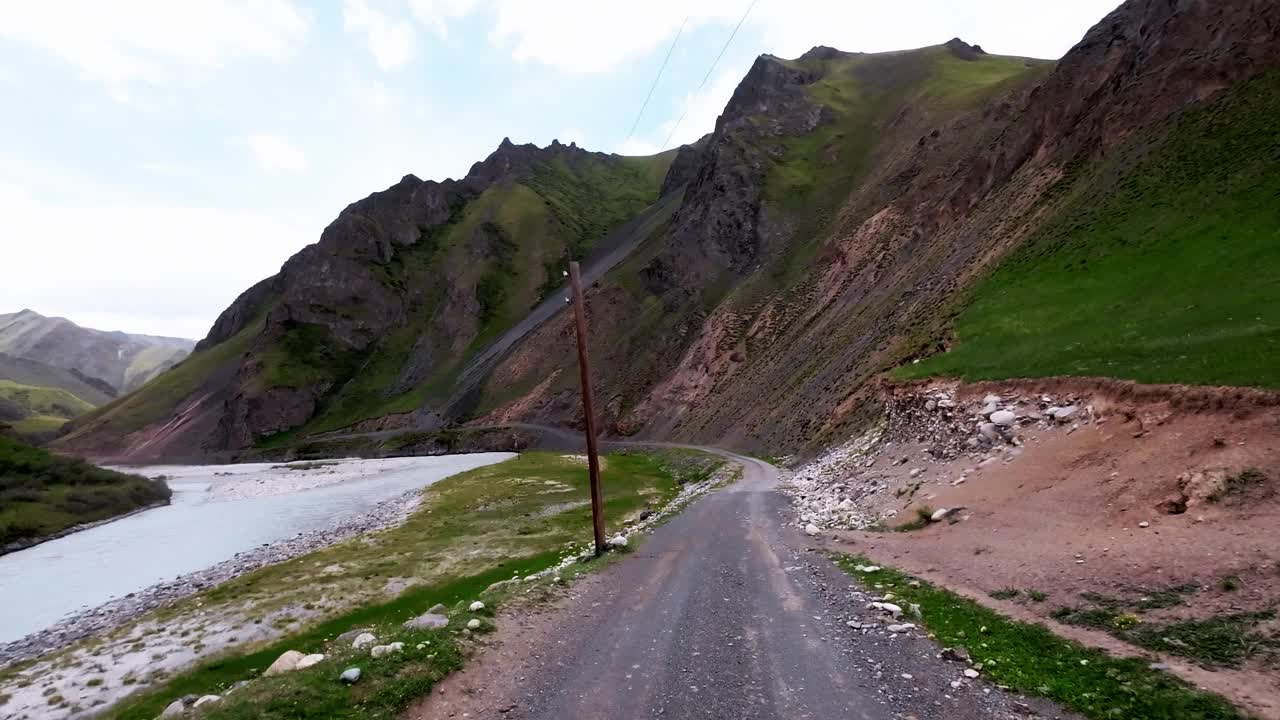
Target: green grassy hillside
(41,493)
(1160,264)
(530,229)
(38,411)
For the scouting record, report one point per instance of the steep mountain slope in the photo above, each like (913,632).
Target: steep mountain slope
(844,200)
(122,360)
(377,318)
(845,209)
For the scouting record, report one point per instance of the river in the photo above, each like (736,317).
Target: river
(216,512)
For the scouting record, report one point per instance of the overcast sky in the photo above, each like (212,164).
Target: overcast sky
(159,157)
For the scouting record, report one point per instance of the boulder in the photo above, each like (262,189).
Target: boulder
(206,699)
(427,621)
(363,640)
(349,636)
(901,627)
(940,514)
(618,541)
(1063,414)
(811,530)
(285,663)
(991,399)
(174,709)
(378,651)
(990,432)
(1003,417)
(473,623)
(475,606)
(308,661)
(438,609)
(350,675)
(970,673)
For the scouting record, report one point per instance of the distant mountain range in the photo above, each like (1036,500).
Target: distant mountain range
(52,370)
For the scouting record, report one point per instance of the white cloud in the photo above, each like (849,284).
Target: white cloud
(125,41)
(139,267)
(437,14)
(390,40)
(274,152)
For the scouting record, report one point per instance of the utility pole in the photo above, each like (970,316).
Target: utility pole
(588,412)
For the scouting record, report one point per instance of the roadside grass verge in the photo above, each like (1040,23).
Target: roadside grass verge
(1221,641)
(1031,659)
(473,530)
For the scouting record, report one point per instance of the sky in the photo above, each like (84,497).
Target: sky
(157,158)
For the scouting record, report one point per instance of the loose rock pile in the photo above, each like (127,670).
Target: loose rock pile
(836,489)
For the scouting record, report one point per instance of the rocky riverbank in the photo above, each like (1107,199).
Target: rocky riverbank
(119,611)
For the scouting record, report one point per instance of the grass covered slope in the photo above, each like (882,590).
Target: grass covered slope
(1162,264)
(503,252)
(1031,659)
(42,494)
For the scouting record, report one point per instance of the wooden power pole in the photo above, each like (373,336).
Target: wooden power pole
(588,411)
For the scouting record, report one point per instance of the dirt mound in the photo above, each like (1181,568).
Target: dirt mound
(1148,514)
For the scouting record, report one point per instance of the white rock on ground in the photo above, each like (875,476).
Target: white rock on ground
(174,709)
(473,623)
(285,663)
(308,661)
(940,514)
(206,699)
(970,673)
(378,651)
(363,640)
(477,605)
(619,541)
(811,530)
(1003,417)
(900,627)
(350,675)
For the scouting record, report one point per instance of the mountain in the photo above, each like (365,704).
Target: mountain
(401,290)
(122,360)
(938,210)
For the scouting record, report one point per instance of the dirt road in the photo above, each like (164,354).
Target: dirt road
(722,613)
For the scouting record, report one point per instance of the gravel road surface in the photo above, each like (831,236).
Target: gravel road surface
(723,613)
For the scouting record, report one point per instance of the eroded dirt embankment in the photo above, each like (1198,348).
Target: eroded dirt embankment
(1146,514)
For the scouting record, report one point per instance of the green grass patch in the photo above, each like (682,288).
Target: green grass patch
(42,493)
(1031,659)
(1222,641)
(48,401)
(1170,239)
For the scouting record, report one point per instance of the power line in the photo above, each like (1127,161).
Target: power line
(732,35)
(652,87)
